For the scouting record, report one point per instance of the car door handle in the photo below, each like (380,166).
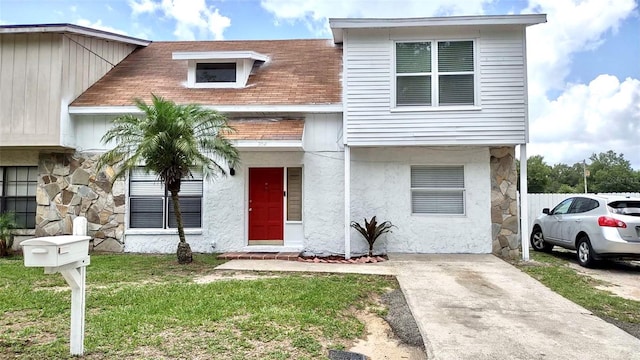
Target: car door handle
(578,220)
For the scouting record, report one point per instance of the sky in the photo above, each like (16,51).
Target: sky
(583,64)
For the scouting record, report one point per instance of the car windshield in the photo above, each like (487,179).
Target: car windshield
(625,207)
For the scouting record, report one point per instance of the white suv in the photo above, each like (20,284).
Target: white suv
(595,226)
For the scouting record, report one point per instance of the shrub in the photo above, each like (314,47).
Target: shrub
(7,224)
(372,230)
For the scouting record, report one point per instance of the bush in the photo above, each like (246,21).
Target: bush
(7,225)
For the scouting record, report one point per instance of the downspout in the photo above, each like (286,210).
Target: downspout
(347,151)
(524,204)
(524,193)
(347,202)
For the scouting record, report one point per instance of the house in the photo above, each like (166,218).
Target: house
(412,120)
(43,68)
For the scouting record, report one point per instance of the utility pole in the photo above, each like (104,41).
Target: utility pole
(584,172)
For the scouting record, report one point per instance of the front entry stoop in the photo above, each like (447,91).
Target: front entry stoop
(291,256)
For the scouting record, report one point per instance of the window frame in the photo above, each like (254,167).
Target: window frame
(191,74)
(287,204)
(4,186)
(166,201)
(435,77)
(413,190)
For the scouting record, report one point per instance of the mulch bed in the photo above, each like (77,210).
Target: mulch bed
(341,259)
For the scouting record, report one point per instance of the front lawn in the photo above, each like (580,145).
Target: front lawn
(141,306)
(554,272)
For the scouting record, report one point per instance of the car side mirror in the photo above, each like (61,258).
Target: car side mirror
(545,211)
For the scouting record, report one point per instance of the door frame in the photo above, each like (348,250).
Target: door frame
(280,199)
(286,225)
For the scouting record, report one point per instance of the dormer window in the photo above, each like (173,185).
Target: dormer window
(219,69)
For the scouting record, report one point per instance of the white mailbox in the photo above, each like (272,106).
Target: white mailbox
(52,251)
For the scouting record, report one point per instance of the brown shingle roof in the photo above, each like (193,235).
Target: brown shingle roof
(298,72)
(266,129)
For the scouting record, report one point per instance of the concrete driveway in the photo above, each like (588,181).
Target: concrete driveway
(480,307)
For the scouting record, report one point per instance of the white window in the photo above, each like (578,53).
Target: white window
(437,190)
(150,204)
(435,73)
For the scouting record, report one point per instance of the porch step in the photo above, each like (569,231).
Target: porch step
(292,256)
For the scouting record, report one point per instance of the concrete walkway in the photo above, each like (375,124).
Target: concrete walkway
(480,307)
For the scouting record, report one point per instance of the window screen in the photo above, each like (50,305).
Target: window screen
(413,69)
(215,72)
(18,193)
(437,189)
(456,58)
(150,205)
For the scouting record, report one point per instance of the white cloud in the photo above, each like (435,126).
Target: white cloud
(603,115)
(143,6)
(194,18)
(585,119)
(572,26)
(99,26)
(314,13)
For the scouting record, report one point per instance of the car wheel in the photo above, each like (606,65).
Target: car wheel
(584,252)
(537,241)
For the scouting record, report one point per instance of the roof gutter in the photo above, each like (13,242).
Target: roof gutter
(304,108)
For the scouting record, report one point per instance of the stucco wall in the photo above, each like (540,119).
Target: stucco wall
(225,207)
(323,197)
(381,186)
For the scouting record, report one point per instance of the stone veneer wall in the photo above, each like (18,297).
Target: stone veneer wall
(68,186)
(504,203)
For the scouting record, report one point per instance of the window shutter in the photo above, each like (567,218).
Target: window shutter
(456,57)
(437,177)
(145,212)
(437,189)
(456,90)
(143,184)
(441,202)
(294,194)
(190,208)
(413,90)
(413,57)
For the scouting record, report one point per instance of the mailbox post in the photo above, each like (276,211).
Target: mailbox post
(68,255)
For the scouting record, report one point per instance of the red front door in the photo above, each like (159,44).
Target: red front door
(266,200)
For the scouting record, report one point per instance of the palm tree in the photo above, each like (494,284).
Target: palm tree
(169,140)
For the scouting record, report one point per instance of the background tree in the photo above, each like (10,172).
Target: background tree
(538,174)
(566,179)
(169,140)
(610,172)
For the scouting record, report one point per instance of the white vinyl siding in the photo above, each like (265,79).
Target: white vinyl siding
(372,119)
(150,205)
(437,190)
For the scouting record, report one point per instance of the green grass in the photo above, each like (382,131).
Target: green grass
(554,272)
(149,307)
